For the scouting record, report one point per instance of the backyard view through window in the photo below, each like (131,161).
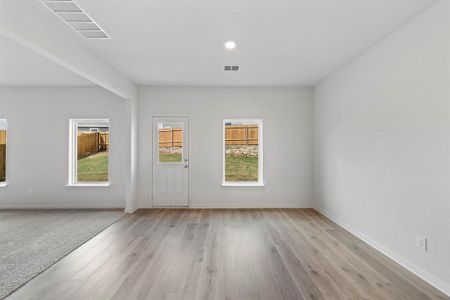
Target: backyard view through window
(242,151)
(3,129)
(170,137)
(90,159)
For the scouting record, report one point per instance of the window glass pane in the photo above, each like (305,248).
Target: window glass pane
(3,129)
(170,142)
(241,151)
(92,153)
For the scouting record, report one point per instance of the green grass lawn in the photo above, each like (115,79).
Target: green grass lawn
(241,168)
(93,168)
(238,168)
(164,158)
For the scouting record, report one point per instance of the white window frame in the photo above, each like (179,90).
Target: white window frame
(5,183)
(73,131)
(260,181)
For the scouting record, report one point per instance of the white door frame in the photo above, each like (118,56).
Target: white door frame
(150,165)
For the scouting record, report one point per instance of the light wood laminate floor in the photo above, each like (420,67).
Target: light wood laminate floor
(226,254)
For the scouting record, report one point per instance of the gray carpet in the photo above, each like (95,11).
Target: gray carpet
(33,240)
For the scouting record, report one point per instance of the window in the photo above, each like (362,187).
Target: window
(242,152)
(170,137)
(89,152)
(3,130)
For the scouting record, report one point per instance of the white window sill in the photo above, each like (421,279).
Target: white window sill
(242,184)
(94,184)
(3,184)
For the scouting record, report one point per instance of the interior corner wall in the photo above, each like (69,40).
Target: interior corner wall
(382,144)
(37,151)
(286,115)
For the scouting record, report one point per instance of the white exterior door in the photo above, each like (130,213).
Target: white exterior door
(170,161)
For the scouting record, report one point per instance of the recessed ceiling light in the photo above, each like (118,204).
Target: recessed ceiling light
(230,45)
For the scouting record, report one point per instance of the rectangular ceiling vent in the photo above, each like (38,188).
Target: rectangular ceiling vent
(71,13)
(231,68)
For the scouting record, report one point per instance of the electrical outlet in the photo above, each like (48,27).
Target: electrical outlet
(422,242)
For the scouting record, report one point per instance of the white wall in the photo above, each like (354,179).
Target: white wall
(382,142)
(37,157)
(286,114)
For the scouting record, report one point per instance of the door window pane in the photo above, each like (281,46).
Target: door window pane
(170,136)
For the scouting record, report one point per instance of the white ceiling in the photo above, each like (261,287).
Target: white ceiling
(279,43)
(181,42)
(20,66)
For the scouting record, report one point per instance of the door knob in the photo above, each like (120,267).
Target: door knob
(186,166)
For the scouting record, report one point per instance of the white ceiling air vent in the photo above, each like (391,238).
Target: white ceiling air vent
(71,13)
(231,68)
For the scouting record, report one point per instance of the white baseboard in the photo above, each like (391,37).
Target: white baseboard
(418,271)
(274,205)
(219,206)
(57,206)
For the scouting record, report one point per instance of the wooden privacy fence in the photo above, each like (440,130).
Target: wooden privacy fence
(2,137)
(170,137)
(92,142)
(234,135)
(2,155)
(2,162)
(241,134)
